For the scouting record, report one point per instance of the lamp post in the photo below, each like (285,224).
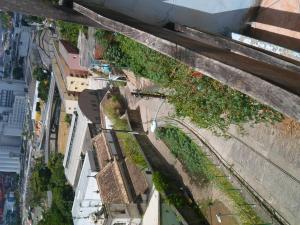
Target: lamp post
(220,215)
(154,121)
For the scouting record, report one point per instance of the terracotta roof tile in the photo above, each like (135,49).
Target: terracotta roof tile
(111,186)
(101,150)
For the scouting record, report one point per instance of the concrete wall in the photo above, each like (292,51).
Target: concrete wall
(216,16)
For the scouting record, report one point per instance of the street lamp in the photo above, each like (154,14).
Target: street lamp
(154,121)
(220,215)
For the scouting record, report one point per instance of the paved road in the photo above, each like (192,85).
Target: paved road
(270,165)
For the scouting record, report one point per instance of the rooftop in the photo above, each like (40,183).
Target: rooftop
(89,104)
(111,184)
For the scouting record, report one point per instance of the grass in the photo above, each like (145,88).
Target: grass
(113,110)
(70,31)
(201,169)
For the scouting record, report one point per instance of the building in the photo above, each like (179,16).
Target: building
(73,73)
(10,159)
(87,199)
(79,142)
(12,116)
(69,99)
(70,76)
(80,139)
(111,189)
(12,111)
(90,50)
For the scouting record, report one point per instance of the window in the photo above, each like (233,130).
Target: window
(72,139)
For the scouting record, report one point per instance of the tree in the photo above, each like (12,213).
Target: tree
(18,73)
(43,90)
(69,31)
(39,182)
(40,74)
(55,165)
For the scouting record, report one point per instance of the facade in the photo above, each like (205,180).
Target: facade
(73,73)
(12,112)
(87,199)
(90,50)
(79,142)
(69,99)
(10,159)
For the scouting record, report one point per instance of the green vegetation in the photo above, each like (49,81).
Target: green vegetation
(38,107)
(201,169)
(5,19)
(69,31)
(113,110)
(167,187)
(206,101)
(18,73)
(33,19)
(68,119)
(43,77)
(51,177)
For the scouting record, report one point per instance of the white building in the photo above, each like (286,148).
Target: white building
(111,190)
(10,159)
(79,141)
(87,199)
(12,116)
(12,112)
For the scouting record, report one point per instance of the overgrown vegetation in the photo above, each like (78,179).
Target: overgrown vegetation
(43,77)
(166,187)
(5,19)
(51,177)
(69,31)
(33,19)
(18,73)
(201,169)
(206,101)
(68,119)
(113,110)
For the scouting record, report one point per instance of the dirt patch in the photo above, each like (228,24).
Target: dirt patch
(218,209)
(289,127)
(63,133)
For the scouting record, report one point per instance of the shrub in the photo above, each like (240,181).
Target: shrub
(207,102)
(18,73)
(69,31)
(114,110)
(68,119)
(200,167)
(160,182)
